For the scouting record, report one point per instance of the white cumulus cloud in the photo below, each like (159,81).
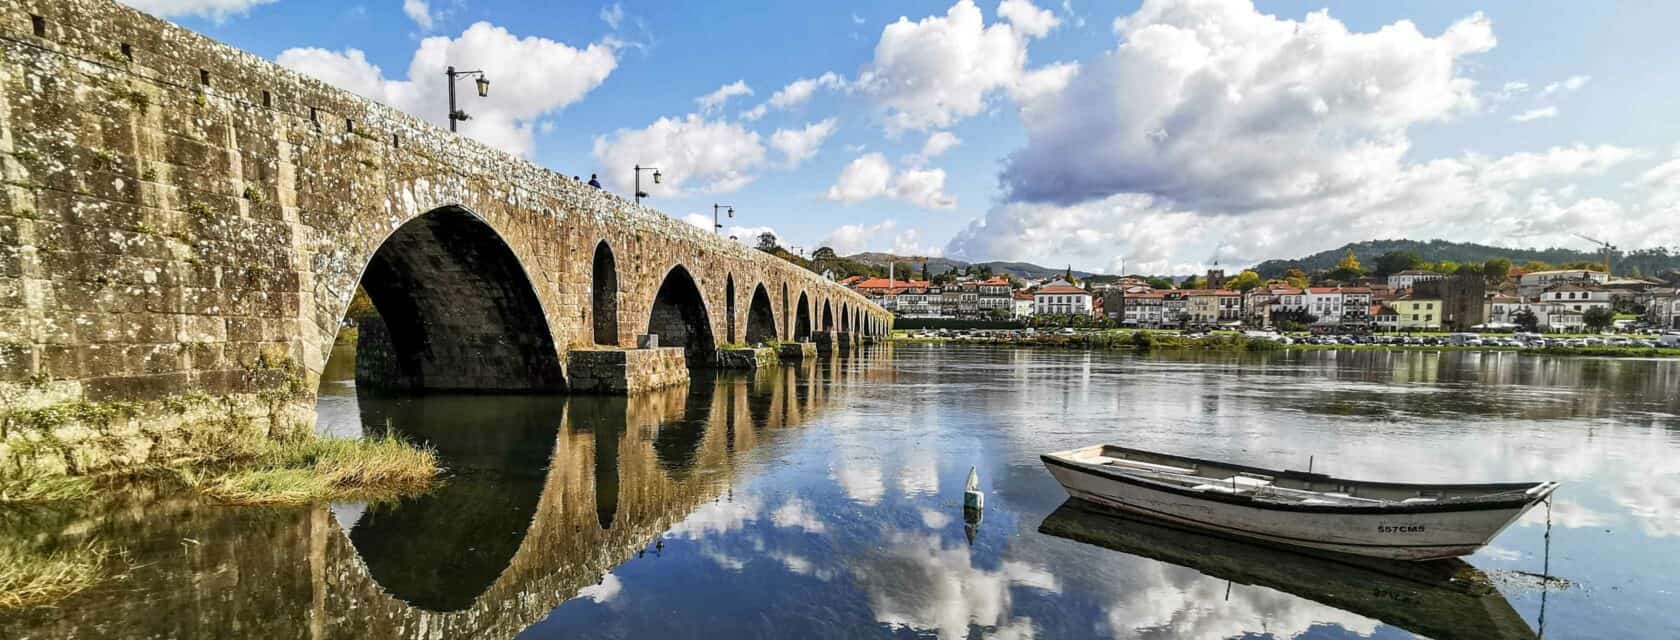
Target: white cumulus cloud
(1525,198)
(935,71)
(1220,106)
(798,145)
(217,10)
(419,12)
(924,188)
(1572,83)
(799,91)
(713,156)
(714,100)
(1031,20)
(937,144)
(863,178)
(1536,114)
(530,77)
(870,176)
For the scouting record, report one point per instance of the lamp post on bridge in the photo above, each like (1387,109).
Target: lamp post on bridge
(457,115)
(656,178)
(716,226)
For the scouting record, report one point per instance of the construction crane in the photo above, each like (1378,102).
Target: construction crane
(1606,247)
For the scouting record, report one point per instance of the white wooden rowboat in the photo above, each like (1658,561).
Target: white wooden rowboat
(1313,510)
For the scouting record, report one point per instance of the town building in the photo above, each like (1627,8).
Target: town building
(1463,299)
(1503,308)
(1173,308)
(1213,307)
(1385,318)
(1664,309)
(995,296)
(1530,285)
(1061,298)
(1576,296)
(1142,310)
(1023,304)
(1406,279)
(1416,314)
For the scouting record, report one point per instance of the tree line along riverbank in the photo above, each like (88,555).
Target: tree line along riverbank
(1147,340)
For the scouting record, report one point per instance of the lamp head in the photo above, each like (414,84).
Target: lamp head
(483,87)
(732,212)
(657,176)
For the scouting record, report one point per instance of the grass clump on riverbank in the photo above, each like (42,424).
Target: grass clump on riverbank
(308,468)
(43,489)
(31,579)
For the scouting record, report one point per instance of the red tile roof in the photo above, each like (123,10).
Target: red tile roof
(1062,289)
(881,283)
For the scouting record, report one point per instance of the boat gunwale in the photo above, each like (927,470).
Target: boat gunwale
(1522,500)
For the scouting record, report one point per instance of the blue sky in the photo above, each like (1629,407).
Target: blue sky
(1183,132)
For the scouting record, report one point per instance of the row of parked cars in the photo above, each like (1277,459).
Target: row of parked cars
(1520,340)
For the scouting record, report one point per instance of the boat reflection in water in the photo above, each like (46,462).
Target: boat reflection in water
(1441,599)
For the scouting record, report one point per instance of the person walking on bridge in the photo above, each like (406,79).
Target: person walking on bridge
(594,182)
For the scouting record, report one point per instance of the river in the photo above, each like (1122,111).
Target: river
(825,500)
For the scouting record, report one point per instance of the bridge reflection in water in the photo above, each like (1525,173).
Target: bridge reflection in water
(509,536)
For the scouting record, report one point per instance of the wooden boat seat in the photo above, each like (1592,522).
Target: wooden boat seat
(1137,464)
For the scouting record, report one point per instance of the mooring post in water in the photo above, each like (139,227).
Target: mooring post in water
(973,499)
(1309,464)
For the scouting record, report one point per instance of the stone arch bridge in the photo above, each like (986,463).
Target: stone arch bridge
(181,220)
(178,212)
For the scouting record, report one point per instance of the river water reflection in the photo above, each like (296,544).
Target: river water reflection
(824,500)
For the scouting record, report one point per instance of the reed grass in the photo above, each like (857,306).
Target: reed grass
(30,579)
(43,489)
(308,468)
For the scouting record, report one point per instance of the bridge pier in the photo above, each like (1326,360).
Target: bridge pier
(844,341)
(824,340)
(625,371)
(797,351)
(748,358)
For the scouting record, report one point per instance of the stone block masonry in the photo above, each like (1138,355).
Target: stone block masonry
(747,358)
(825,341)
(626,371)
(180,219)
(796,351)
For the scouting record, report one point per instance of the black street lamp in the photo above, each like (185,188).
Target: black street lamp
(656,178)
(718,228)
(457,115)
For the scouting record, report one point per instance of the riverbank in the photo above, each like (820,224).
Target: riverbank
(229,469)
(1165,340)
(249,469)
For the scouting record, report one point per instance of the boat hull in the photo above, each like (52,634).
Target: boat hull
(1397,536)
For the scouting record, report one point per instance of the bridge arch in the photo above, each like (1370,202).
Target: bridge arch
(761,320)
(802,319)
(457,312)
(787,320)
(678,316)
(604,295)
(827,316)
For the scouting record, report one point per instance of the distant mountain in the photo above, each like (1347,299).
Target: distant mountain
(936,266)
(1647,261)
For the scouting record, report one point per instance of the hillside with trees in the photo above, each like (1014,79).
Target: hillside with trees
(1444,255)
(936,266)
